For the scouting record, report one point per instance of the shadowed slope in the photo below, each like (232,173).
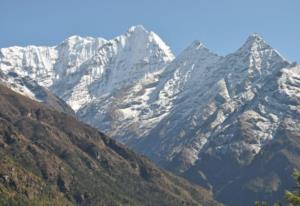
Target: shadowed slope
(45,154)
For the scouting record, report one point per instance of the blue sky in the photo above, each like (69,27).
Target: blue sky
(222,25)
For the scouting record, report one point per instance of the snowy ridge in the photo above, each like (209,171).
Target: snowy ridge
(80,69)
(208,98)
(49,64)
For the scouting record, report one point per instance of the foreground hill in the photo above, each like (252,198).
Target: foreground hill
(49,158)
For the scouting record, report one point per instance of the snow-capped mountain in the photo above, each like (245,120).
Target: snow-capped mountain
(119,63)
(208,95)
(194,114)
(218,116)
(81,70)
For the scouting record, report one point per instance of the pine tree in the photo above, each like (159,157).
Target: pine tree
(263,203)
(294,197)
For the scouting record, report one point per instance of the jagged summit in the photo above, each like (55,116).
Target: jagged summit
(140,35)
(255,57)
(77,38)
(197,45)
(138,29)
(255,43)
(255,35)
(197,50)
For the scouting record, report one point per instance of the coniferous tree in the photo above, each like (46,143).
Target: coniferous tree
(293,197)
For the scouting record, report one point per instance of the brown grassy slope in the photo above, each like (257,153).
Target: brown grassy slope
(52,154)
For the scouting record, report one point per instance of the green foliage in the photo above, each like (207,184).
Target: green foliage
(264,203)
(294,197)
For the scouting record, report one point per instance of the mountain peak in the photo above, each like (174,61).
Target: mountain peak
(139,36)
(73,39)
(255,42)
(197,48)
(255,36)
(197,45)
(256,46)
(137,29)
